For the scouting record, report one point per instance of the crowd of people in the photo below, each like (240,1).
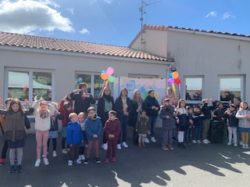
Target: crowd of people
(85,127)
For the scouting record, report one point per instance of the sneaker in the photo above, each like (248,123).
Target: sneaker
(119,146)
(124,144)
(97,160)
(205,141)
(153,139)
(246,146)
(79,161)
(37,163)
(19,169)
(170,148)
(146,140)
(12,169)
(70,163)
(105,146)
(64,151)
(229,143)
(241,143)
(2,161)
(235,145)
(198,141)
(164,148)
(45,161)
(86,161)
(82,157)
(54,154)
(194,141)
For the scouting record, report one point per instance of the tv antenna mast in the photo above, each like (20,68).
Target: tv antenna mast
(144,4)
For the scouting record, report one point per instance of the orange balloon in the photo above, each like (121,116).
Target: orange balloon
(175,75)
(104,76)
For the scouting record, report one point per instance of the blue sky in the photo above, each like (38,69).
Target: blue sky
(117,21)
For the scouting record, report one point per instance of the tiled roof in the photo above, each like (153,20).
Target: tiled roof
(165,28)
(44,43)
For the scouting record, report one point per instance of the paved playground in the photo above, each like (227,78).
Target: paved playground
(195,166)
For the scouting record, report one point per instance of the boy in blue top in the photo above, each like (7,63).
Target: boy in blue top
(74,139)
(93,129)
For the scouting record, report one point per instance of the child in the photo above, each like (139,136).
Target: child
(142,127)
(53,132)
(93,128)
(81,118)
(190,130)
(74,139)
(112,131)
(14,128)
(243,115)
(66,107)
(198,118)
(232,124)
(182,121)
(43,112)
(167,114)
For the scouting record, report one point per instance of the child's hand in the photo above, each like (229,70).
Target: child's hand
(111,136)
(167,117)
(95,136)
(148,132)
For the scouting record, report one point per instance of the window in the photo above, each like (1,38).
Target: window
(194,88)
(230,87)
(26,85)
(94,81)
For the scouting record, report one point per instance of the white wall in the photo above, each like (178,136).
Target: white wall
(210,56)
(65,66)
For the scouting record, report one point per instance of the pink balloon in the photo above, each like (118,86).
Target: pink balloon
(110,71)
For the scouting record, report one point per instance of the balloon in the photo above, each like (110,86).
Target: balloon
(170,81)
(175,75)
(170,75)
(104,76)
(111,78)
(110,70)
(177,81)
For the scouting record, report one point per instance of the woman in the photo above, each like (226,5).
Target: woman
(152,107)
(171,96)
(123,109)
(136,107)
(104,105)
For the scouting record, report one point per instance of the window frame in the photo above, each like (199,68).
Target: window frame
(30,71)
(202,88)
(242,84)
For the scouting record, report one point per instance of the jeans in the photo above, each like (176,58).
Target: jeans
(16,154)
(73,152)
(197,132)
(54,143)
(206,125)
(124,125)
(152,121)
(232,134)
(189,134)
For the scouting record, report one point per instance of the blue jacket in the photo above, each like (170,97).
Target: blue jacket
(93,127)
(74,134)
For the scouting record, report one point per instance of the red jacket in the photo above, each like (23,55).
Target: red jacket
(112,127)
(64,113)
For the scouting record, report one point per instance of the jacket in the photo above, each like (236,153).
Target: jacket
(14,126)
(167,115)
(207,111)
(243,122)
(142,125)
(119,106)
(93,126)
(148,103)
(81,103)
(232,121)
(112,127)
(101,107)
(74,134)
(198,118)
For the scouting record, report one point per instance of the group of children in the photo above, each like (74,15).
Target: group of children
(82,132)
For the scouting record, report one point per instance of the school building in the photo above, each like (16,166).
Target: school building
(211,64)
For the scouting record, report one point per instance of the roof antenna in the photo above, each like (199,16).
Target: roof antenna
(143,12)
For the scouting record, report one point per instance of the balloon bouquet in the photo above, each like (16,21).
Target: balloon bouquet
(174,81)
(107,76)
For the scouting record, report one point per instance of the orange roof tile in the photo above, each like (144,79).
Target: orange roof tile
(44,43)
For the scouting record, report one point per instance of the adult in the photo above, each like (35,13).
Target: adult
(207,111)
(136,107)
(152,107)
(104,105)
(171,97)
(123,108)
(82,99)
